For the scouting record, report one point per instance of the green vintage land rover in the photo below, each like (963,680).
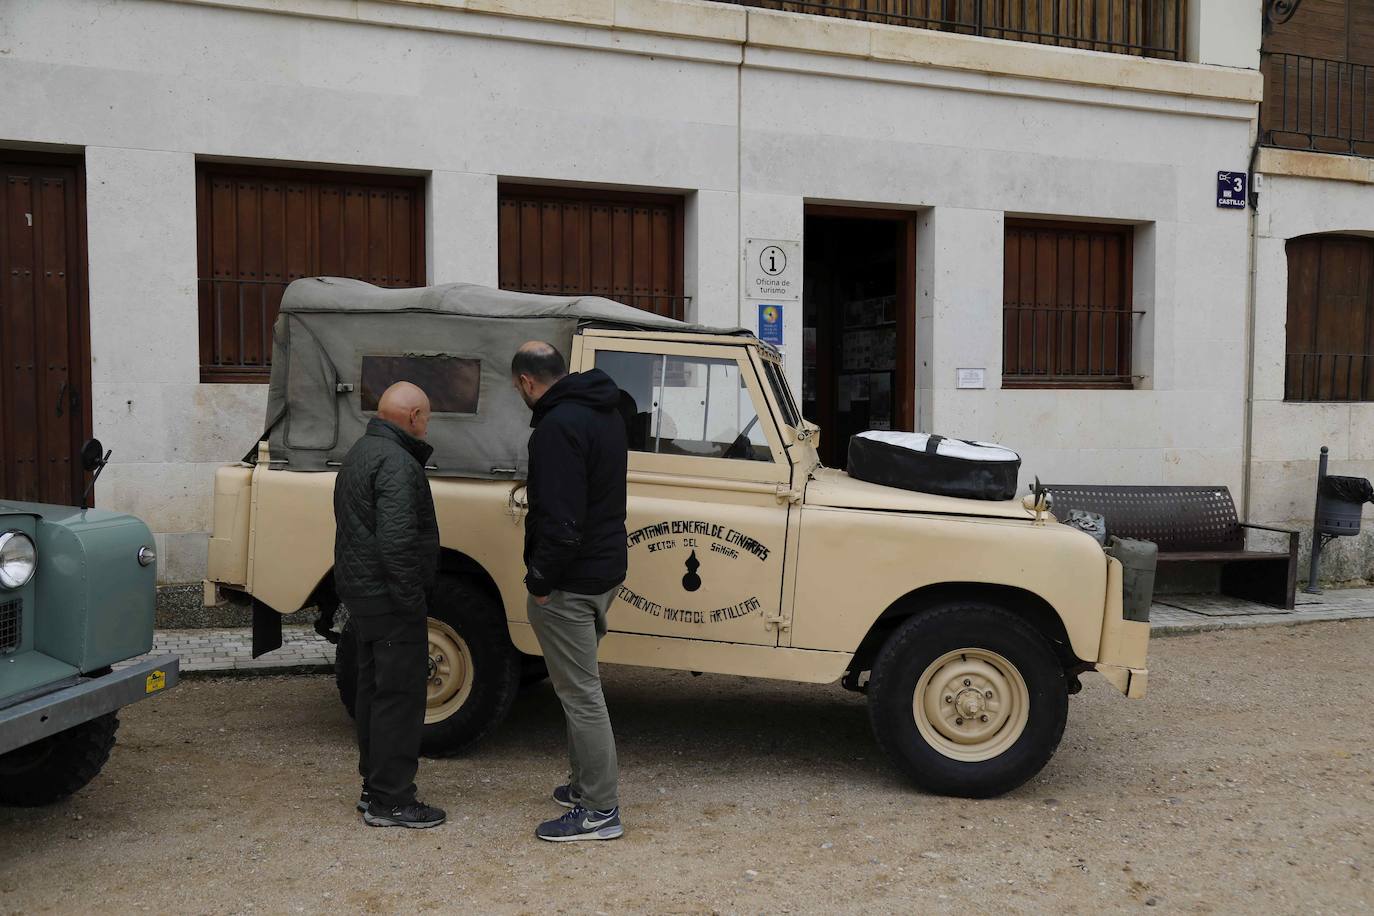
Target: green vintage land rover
(77,589)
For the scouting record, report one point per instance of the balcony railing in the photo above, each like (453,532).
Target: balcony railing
(1316,104)
(1143,28)
(1046,346)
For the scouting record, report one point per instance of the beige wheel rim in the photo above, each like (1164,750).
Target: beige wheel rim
(971,704)
(450,672)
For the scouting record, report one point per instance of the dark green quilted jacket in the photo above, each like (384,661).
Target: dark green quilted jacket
(386,543)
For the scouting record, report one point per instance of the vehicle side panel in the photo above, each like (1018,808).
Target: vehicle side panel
(293,517)
(854,564)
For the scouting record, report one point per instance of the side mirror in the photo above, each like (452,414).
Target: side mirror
(92,454)
(93,458)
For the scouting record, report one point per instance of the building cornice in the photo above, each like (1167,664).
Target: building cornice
(742,29)
(1295,163)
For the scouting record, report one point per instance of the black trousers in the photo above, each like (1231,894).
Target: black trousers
(393,665)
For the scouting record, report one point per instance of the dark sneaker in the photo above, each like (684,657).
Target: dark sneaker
(581,824)
(416,815)
(364,800)
(566,797)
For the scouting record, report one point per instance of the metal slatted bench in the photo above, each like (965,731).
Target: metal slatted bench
(1191,525)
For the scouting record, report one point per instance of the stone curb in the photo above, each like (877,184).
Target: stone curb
(255,671)
(1253,623)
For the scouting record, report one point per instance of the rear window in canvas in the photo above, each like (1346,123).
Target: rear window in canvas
(452,382)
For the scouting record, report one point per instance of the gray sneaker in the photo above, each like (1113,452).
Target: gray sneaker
(582,824)
(364,800)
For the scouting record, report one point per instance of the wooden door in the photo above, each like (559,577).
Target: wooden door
(44,375)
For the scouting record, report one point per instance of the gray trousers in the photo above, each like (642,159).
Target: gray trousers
(569,628)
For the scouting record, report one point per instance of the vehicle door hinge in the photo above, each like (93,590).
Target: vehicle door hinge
(788,495)
(777,622)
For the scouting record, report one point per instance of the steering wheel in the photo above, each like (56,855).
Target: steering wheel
(742,447)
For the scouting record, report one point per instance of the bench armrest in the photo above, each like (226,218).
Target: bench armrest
(1292,537)
(1269,528)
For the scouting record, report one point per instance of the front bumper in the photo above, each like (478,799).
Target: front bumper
(1123,653)
(35,719)
(1130,681)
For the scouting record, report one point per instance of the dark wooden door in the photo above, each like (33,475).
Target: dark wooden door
(44,378)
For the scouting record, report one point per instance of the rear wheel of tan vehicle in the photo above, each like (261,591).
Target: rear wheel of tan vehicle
(968,699)
(52,768)
(473,670)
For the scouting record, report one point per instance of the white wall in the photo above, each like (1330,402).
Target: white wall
(1289,435)
(146,87)
(1226,33)
(965,159)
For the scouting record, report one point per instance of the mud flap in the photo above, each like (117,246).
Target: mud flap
(266,629)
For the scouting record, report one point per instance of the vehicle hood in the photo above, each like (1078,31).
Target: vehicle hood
(833,488)
(64,515)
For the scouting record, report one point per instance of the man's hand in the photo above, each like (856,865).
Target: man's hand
(541,601)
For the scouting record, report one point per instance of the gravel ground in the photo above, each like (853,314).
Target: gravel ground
(1243,782)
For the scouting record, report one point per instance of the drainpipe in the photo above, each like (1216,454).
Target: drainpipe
(1250,306)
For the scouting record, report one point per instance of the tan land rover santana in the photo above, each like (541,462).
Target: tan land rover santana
(966,622)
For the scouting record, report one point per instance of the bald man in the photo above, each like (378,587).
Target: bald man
(386,554)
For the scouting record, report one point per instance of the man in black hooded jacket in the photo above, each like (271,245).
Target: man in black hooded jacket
(575,561)
(386,555)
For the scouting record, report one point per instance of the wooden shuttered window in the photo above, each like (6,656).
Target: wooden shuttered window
(1067,320)
(566,242)
(1330,346)
(259,229)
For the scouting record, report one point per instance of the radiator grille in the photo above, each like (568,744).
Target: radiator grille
(11,614)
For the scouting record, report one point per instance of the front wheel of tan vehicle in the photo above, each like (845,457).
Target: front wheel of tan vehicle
(968,699)
(473,670)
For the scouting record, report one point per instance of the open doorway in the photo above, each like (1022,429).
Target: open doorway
(859,324)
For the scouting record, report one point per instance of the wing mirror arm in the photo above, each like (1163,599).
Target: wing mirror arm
(94,457)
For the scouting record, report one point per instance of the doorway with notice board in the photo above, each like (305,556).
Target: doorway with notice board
(858,323)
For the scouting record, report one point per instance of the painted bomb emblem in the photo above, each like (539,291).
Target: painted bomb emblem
(691,582)
(705,551)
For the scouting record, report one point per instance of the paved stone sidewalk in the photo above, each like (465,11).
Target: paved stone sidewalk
(231,650)
(1174,614)
(304,651)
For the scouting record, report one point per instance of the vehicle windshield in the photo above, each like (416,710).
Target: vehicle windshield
(782,392)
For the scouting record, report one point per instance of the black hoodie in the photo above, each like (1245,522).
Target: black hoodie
(575,531)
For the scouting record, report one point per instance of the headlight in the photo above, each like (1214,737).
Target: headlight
(18,559)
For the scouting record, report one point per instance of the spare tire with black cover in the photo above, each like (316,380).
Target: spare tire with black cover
(474,670)
(934,464)
(968,699)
